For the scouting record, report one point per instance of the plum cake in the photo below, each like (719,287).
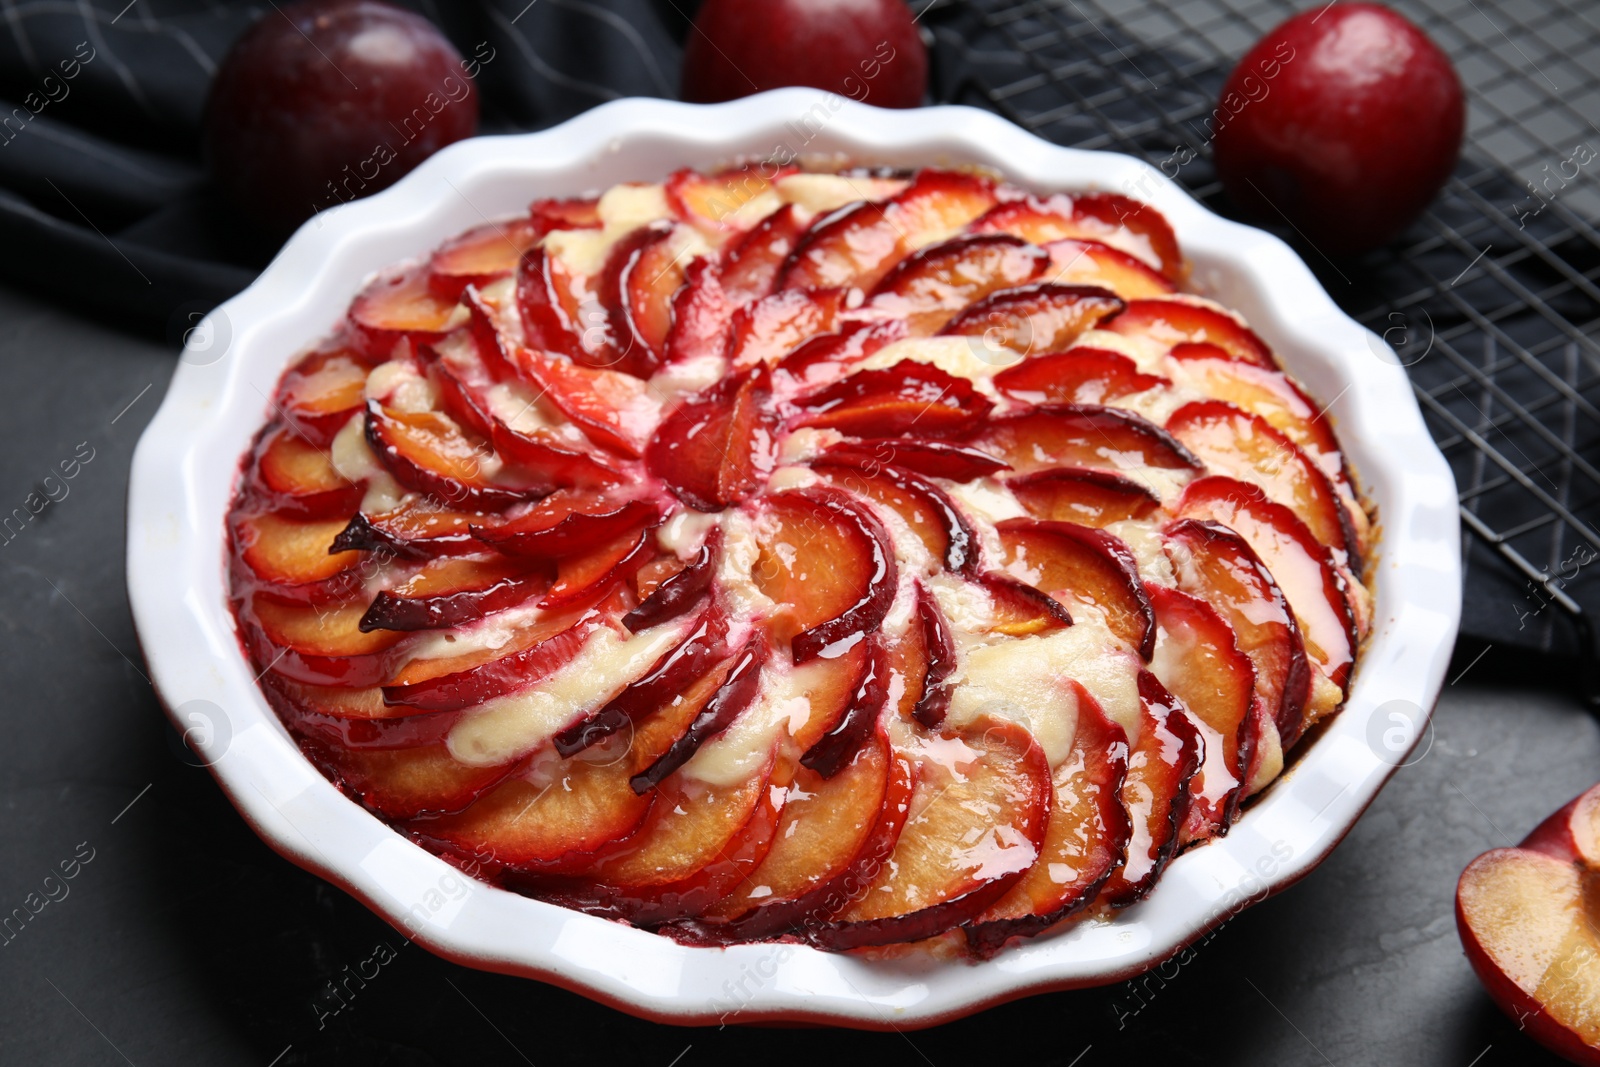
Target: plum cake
(855,557)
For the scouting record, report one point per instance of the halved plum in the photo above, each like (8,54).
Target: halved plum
(1197,658)
(1529,921)
(830,566)
(930,286)
(1082,564)
(910,395)
(1246,447)
(1216,565)
(978,819)
(1082,435)
(1162,762)
(1077,376)
(1175,322)
(713,449)
(1083,495)
(1085,839)
(1038,318)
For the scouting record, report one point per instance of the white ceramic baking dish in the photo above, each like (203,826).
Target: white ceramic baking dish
(186,464)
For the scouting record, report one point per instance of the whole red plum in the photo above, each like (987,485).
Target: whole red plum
(319,103)
(868,50)
(1346,120)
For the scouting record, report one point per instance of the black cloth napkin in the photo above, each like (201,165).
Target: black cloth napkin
(104,202)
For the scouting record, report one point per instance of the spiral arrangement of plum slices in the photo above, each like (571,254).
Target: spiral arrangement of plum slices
(854,557)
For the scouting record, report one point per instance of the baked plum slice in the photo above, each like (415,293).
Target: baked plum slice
(1085,840)
(830,565)
(1162,763)
(948,866)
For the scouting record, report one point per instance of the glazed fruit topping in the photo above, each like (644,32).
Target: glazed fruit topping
(856,558)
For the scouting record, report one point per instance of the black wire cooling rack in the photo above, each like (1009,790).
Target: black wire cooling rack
(1491,301)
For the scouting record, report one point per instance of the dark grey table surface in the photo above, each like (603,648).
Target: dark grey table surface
(185,940)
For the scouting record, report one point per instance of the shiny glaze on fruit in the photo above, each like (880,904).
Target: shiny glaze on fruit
(853,557)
